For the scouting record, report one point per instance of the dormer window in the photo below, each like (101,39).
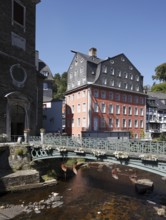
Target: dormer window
(119,73)
(45,73)
(125,75)
(137,88)
(112,83)
(119,84)
(18,13)
(104,69)
(104,81)
(112,71)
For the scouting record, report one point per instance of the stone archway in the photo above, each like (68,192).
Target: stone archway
(17,120)
(17,113)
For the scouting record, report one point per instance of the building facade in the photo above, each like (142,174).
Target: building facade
(156,114)
(104,98)
(20,82)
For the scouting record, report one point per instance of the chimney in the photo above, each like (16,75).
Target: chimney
(93,52)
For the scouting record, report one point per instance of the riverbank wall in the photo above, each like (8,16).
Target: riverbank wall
(17,171)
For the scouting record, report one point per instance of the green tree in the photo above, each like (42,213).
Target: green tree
(59,85)
(161,87)
(160,73)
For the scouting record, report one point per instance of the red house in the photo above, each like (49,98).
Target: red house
(104,98)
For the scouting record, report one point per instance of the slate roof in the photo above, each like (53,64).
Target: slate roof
(155,102)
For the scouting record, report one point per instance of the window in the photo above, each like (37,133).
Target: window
(112,71)
(84,107)
(124,110)
(103,108)
(103,94)
(72,122)
(125,85)
(18,13)
(141,100)
(96,107)
(130,123)
(112,82)
(136,123)
(117,97)
(119,84)
(45,86)
(78,122)
(124,123)
(124,98)
(119,74)
(104,69)
(137,78)
(110,122)
(141,111)
(117,109)
(130,99)
(72,108)
(111,95)
(103,122)
(117,123)
(104,81)
(96,93)
(141,124)
(84,122)
(136,99)
(131,76)
(137,88)
(136,111)
(78,108)
(111,109)
(131,86)
(130,110)
(125,75)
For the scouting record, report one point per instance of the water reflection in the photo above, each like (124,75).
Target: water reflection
(94,194)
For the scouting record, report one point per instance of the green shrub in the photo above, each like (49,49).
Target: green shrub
(20,151)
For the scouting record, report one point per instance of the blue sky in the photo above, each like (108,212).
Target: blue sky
(133,27)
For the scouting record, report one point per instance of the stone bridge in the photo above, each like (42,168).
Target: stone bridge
(145,155)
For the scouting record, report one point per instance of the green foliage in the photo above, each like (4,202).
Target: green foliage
(59,85)
(51,174)
(70,162)
(20,151)
(162,137)
(161,87)
(160,73)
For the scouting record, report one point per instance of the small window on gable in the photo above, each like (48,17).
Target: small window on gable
(18,13)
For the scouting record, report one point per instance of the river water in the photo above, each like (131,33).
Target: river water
(93,194)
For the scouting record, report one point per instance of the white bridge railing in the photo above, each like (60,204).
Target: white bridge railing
(105,144)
